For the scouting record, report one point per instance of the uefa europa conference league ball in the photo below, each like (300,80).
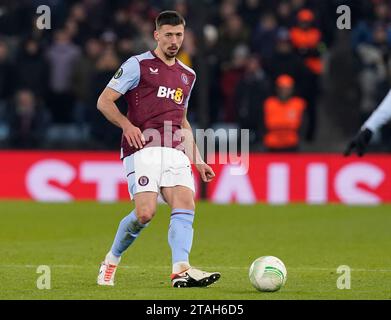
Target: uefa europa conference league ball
(267,274)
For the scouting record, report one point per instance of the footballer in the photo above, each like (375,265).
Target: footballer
(157,160)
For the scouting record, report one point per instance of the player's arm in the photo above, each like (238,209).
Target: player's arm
(378,118)
(106,105)
(192,151)
(126,78)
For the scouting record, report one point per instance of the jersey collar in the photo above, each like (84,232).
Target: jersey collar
(155,55)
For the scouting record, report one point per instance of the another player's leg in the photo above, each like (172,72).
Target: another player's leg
(180,238)
(128,230)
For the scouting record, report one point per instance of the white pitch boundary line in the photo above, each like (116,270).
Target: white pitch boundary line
(70,266)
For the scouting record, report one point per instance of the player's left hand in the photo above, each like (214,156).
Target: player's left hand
(206,172)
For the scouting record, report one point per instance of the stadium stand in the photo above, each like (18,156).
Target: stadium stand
(50,79)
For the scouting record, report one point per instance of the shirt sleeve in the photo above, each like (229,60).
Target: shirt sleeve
(188,97)
(127,76)
(380,116)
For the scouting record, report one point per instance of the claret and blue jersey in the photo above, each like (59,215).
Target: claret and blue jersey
(155,93)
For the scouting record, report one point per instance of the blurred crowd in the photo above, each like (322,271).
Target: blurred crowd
(277,67)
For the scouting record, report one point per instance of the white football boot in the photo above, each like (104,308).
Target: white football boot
(193,277)
(107,272)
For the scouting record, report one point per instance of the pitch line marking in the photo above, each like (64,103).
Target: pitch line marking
(71,266)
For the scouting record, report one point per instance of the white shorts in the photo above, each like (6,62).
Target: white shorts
(151,168)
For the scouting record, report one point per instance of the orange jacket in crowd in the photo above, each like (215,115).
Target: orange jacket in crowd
(308,39)
(305,38)
(283,120)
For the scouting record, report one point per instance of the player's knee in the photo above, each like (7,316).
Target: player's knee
(187,204)
(145,214)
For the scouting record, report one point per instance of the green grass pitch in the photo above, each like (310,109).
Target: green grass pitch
(312,241)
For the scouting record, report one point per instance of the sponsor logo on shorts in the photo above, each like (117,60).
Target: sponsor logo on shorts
(143,181)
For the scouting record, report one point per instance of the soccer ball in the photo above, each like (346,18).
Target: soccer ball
(267,274)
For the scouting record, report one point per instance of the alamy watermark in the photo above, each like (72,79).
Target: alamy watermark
(344,21)
(221,146)
(44,20)
(44,280)
(344,280)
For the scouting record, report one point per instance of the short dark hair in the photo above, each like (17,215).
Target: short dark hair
(172,18)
